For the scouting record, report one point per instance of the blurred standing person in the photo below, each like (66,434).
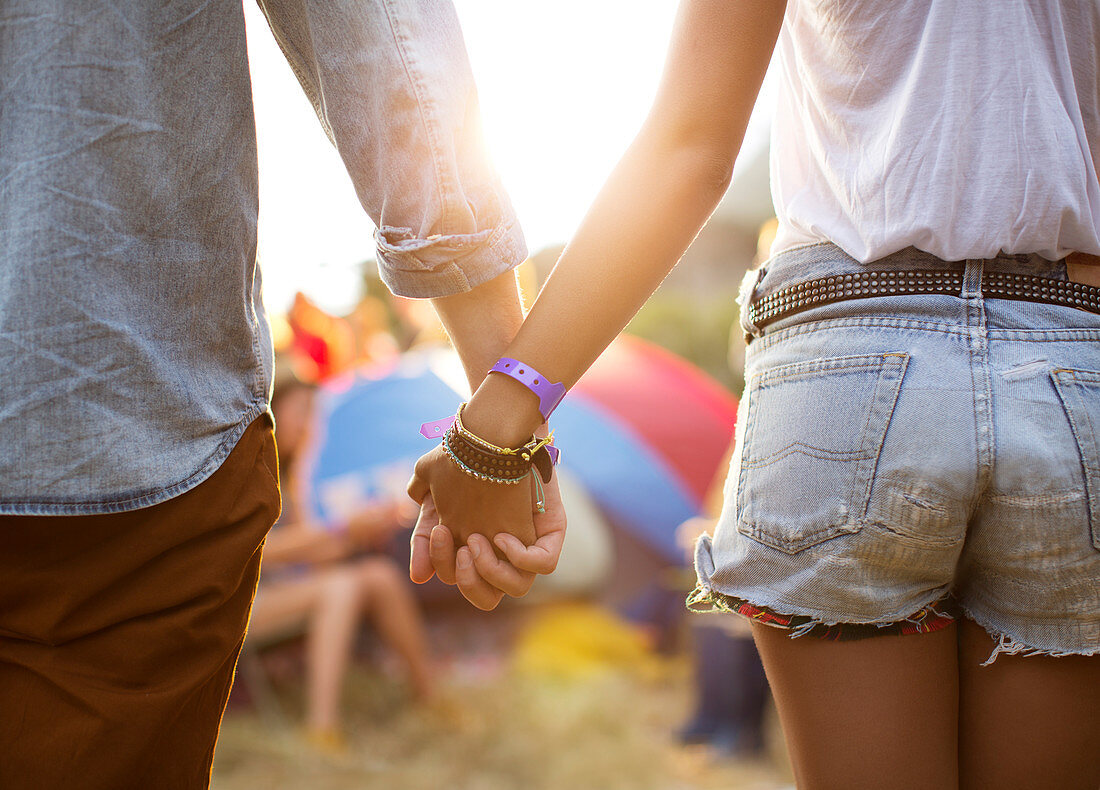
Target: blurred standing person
(138,475)
(915,493)
(374,340)
(731,690)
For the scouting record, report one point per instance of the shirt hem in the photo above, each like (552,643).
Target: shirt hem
(210,465)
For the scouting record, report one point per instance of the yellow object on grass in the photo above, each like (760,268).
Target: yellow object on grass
(577,639)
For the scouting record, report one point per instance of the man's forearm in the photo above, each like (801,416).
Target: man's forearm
(482,323)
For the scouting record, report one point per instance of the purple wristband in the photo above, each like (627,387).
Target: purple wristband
(549,394)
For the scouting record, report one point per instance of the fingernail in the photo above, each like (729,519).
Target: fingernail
(475,547)
(500,542)
(436,534)
(463,558)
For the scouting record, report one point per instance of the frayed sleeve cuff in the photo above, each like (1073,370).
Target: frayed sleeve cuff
(444,265)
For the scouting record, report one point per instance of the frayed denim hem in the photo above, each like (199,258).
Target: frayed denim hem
(1007,644)
(933,617)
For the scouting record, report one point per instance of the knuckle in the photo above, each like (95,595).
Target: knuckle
(520,590)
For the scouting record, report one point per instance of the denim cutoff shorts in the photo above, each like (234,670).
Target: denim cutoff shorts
(914,456)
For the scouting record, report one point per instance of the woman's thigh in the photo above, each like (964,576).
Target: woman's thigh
(1026,721)
(878,714)
(284,604)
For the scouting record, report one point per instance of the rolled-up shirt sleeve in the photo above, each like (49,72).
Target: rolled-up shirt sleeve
(391,83)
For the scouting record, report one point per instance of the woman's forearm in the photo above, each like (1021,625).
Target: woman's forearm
(648,212)
(643,220)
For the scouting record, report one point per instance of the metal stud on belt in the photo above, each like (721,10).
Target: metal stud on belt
(864,285)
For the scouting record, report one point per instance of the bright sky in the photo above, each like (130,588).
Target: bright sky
(564,87)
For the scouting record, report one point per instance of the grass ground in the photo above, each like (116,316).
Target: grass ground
(493,729)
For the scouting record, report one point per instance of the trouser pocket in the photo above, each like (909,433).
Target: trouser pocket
(813,436)
(1079,391)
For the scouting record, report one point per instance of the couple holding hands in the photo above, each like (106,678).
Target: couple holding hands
(915,492)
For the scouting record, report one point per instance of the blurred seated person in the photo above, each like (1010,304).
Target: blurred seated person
(321,581)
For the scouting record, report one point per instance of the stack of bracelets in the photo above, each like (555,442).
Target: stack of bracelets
(486,461)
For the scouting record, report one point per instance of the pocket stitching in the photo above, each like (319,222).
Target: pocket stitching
(891,367)
(817,452)
(1088,463)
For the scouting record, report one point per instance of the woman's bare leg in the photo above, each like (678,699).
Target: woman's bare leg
(282,606)
(373,588)
(875,714)
(389,602)
(1026,721)
(328,651)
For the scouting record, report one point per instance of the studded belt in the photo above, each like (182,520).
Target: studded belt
(863,285)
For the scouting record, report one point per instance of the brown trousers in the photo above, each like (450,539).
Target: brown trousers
(119,634)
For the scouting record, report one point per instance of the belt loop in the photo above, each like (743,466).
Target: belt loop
(972,278)
(745,296)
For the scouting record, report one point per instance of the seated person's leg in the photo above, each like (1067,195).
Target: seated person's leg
(389,602)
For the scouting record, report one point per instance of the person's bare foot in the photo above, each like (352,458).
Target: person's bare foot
(423,684)
(328,741)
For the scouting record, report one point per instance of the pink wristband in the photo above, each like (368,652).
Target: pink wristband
(548,393)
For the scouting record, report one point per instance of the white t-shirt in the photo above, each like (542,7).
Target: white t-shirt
(960,127)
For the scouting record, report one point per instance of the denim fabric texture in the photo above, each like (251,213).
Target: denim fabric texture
(134,348)
(894,451)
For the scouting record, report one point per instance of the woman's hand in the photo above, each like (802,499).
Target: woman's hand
(462,519)
(468,505)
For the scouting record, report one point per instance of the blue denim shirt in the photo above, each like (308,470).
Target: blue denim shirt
(134,349)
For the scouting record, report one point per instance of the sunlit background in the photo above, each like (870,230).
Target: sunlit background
(564,87)
(599,678)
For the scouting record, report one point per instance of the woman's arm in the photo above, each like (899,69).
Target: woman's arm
(481,323)
(644,218)
(650,209)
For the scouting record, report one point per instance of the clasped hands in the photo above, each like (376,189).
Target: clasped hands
(484,537)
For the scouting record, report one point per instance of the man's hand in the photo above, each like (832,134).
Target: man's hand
(482,574)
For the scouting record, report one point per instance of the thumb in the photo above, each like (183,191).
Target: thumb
(417,488)
(420,561)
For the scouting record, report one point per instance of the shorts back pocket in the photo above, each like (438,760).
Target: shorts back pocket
(813,435)
(1079,391)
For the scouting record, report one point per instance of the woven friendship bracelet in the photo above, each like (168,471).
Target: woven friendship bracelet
(477,440)
(485,461)
(473,472)
(508,467)
(527,451)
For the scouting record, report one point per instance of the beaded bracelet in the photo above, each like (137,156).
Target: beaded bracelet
(486,461)
(527,452)
(479,474)
(501,467)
